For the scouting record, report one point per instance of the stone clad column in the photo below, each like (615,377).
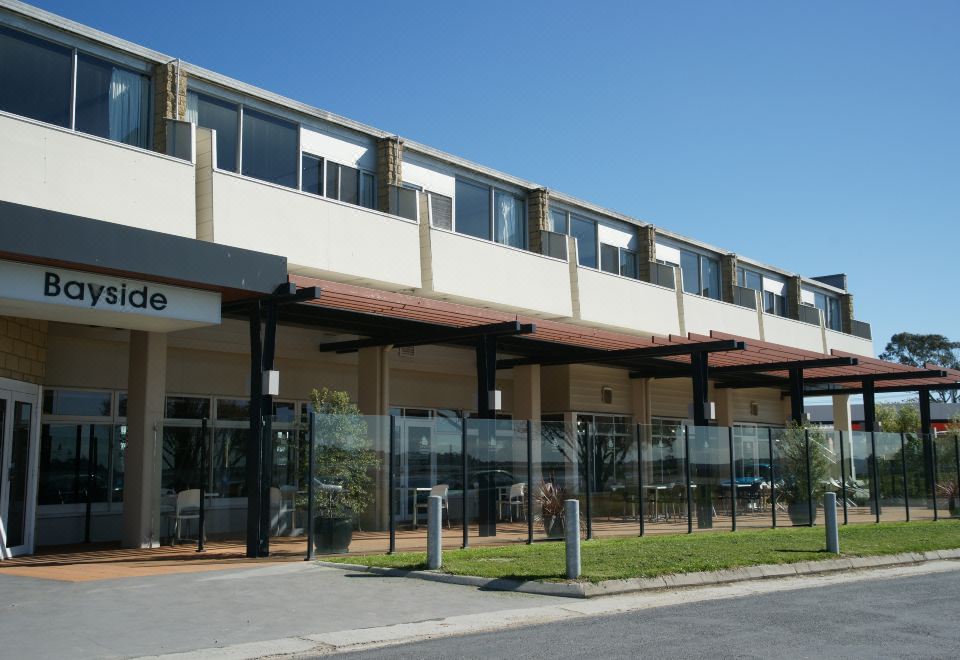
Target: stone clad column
(842,418)
(146,389)
(526,406)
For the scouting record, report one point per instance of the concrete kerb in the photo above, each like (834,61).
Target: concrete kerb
(613,587)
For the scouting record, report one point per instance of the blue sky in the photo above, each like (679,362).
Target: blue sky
(817,136)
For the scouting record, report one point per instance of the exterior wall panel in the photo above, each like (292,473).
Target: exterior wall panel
(627,304)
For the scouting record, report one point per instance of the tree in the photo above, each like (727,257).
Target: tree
(903,418)
(920,350)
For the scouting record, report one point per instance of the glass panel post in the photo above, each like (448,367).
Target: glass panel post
(640,497)
(773,479)
(201,532)
(903,469)
(466,489)
(733,483)
(875,481)
(392,495)
(311,467)
(589,480)
(933,476)
(811,505)
(529,493)
(686,476)
(843,476)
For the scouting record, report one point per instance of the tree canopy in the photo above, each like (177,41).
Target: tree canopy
(920,350)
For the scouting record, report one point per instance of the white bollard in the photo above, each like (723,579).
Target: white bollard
(830,517)
(434,532)
(571,522)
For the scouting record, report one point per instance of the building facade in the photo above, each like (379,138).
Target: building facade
(147,201)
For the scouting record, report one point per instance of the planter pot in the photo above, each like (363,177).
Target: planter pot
(553,527)
(800,513)
(332,535)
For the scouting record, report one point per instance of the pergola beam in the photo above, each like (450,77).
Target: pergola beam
(656,351)
(786,365)
(440,336)
(878,377)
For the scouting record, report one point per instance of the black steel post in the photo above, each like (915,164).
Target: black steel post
(903,470)
(875,481)
(926,439)
(640,493)
(201,521)
(811,505)
(869,406)
(529,493)
(733,483)
(266,414)
(686,475)
(700,381)
(589,480)
(796,395)
(255,438)
(773,478)
(392,496)
(843,476)
(311,467)
(466,484)
(933,490)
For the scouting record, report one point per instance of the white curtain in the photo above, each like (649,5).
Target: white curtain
(192,115)
(126,108)
(508,220)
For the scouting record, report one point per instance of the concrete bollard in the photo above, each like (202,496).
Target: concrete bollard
(434,532)
(830,518)
(571,522)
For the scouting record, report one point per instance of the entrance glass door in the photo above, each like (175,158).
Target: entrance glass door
(17,469)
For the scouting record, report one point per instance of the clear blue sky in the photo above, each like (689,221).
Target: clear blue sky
(821,137)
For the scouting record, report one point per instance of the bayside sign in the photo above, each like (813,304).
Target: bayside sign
(59,294)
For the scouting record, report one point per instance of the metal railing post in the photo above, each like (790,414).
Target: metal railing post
(529,493)
(843,476)
(875,481)
(811,505)
(201,521)
(391,484)
(640,507)
(589,480)
(903,470)
(773,478)
(733,482)
(311,466)
(686,475)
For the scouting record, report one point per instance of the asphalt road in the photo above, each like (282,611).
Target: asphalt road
(906,617)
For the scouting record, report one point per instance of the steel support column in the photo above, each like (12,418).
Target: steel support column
(926,439)
(796,395)
(700,380)
(869,407)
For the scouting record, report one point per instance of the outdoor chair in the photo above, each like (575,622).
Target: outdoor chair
(516,497)
(441,490)
(187,508)
(280,509)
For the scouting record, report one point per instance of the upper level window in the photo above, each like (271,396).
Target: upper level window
(774,303)
(336,181)
(490,213)
(830,307)
(618,261)
(558,222)
(311,174)
(222,117)
(749,279)
(270,147)
(61,86)
(701,275)
(441,210)
(585,231)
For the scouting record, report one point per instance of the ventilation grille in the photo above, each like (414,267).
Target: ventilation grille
(407,351)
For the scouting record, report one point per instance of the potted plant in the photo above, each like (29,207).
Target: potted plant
(549,499)
(949,490)
(796,487)
(343,470)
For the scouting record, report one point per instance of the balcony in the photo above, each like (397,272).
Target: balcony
(463,268)
(810,314)
(320,237)
(861,329)
(62,170)
(745,297)
(781,330)
(701,315)
(622,302)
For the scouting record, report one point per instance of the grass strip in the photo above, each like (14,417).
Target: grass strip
(651,556)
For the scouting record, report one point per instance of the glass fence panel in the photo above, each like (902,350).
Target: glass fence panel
(948,476)
(751,460)
(861,479)
(350,473)
(496,481)
(791,469)
(664,492)
(825,465)
(712,489)
(558,475)
(191,467)
(890,477)
(918,458)
(614,477)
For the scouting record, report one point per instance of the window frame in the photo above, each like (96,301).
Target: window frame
(492,190)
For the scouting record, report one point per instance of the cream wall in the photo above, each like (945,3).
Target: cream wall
(626,304)
(61,170)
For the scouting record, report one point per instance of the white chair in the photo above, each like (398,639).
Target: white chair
(516,497)
(187,508)
(280,508)
(441,490)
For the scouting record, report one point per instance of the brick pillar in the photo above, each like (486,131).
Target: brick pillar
(793,296)
(538,203)
(846,313)
(728,276)
(389,169)
(23,349)
(647,248)
(170,101)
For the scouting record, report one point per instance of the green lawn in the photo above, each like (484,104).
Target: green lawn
(659,555)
